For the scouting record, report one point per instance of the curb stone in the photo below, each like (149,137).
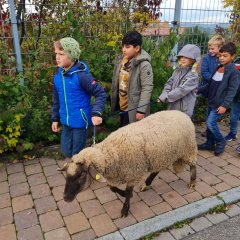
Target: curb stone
(168,219)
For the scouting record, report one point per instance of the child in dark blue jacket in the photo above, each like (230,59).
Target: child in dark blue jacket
(220,92)
(73,89)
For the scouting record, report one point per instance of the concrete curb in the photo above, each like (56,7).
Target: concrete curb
(168,219)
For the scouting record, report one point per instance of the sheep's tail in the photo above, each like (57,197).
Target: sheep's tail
(178,165)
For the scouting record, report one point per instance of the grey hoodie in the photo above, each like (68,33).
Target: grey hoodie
(180,89)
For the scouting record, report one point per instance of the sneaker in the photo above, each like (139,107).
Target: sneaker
(238,148)
(206,146)
(231,137)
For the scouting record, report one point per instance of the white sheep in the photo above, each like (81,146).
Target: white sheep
(163,139)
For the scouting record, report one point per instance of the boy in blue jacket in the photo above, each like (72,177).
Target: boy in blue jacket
(220,93)
(73,89)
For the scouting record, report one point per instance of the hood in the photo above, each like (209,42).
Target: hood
(143,56)
(190,51)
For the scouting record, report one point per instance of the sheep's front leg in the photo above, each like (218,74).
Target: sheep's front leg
(193,172)
(148,181)
(119,191)
(126,205)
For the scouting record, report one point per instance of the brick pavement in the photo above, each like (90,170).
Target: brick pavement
(32,206)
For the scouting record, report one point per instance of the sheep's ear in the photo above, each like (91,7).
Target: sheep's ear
(95,175)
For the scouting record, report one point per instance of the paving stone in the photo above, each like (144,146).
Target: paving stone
(204,189)
(19,189)
(150,197)
(8,232)
(4,188)
(3,174)
(22,203)
(5,200)
(192,197)
(230,180)
(202,161)
(96,185)
(68,208)
(45,204)
(85,195)
(141,211)
(40,191)
(76,222)
(214,169)
(32,233)
(50,221)
(216,218)
(164,236)
(25,219)
(113,208)
(14,168)
(199,224)
(218,161)
(161,208)
(16,178)
(58,192)
(160,187)
(102,225)
(125,222)
(36,179)
(181,187)
(167,176)
(105,195)
(209,178)
(47,161)
(6,216)
(234,161)
(221,187)
(92,208)
(51,170)
(135,198)
(33,169)
(232,170)
(181,232)
(233,210)
(58,234)
(34,161)
(174,199)
(56,180)
(85,235)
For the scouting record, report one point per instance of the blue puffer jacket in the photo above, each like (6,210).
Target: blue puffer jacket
(72,97)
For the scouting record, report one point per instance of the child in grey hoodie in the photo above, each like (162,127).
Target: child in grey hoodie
(180,90)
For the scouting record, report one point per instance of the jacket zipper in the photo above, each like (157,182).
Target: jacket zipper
(65,97)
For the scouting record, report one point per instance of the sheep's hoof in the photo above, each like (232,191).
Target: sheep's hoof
(191,185)
(145,187)
(124,213)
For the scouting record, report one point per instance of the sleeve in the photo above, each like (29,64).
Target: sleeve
(205,73)
(189,84)
(146,78)
(166,90)
(93,88)
(234,83)
(55,108)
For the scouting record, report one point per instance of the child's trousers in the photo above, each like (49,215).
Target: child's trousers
(234,117)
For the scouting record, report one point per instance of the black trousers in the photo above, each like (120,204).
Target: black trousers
(124,120)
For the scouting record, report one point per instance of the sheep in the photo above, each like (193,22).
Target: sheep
(156,142)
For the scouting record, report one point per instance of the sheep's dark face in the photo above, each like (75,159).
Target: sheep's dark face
(76,182)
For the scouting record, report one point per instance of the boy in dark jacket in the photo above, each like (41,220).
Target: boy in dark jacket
(73,89)
(221,91)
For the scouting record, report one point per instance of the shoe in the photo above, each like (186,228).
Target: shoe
(231,137)
(220,147)
(238,148)
(206,146)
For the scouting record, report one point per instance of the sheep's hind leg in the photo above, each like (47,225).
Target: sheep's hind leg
(126,205)
(119,191)
(193,172)
(148,181)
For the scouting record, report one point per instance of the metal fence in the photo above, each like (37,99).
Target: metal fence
(25,28)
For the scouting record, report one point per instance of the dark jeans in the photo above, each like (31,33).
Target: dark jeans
(212,124)
(234,117)
(124,120)
(73,140)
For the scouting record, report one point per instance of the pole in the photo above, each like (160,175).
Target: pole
(19,67)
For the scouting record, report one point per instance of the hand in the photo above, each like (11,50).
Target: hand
(221,110)
(55,127)
(158,100)
(139,116)
(96,120)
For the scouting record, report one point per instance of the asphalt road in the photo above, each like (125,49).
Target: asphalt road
(227,230)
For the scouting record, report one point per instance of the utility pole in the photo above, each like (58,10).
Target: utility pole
(17,51)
